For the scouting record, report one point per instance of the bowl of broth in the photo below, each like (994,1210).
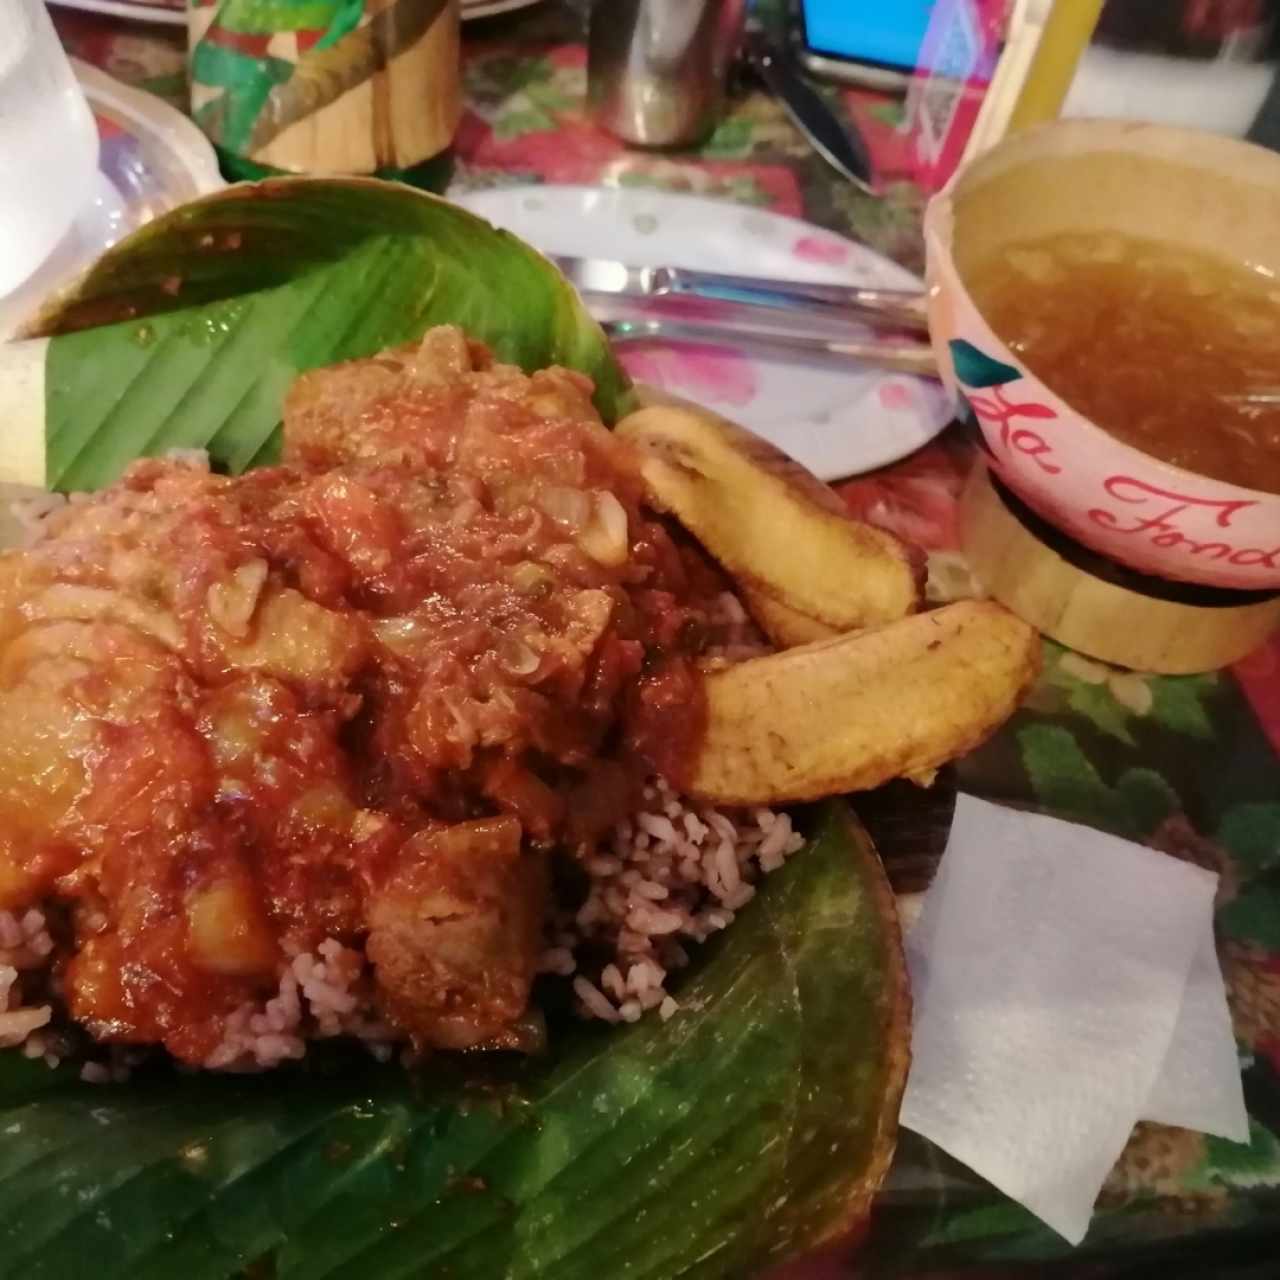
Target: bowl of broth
(1106,297)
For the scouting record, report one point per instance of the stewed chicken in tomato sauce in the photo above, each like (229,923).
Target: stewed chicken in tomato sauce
(357,696)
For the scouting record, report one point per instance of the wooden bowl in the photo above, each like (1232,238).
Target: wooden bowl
(1173,185)
(1094,606)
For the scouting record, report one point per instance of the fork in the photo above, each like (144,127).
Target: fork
(901,357)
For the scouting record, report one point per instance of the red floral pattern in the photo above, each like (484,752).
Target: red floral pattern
(821,250)
(571,151)
(916,498)
(698,371)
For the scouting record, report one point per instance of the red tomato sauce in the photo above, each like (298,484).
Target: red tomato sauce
(245,715)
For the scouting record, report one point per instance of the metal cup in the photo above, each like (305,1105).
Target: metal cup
(656,69)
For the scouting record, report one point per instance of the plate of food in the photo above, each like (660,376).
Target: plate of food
(417,844)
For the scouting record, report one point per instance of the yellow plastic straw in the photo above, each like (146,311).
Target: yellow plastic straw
(1067,33)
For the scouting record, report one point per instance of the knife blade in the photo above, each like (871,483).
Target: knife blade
(885,308)
(840,145)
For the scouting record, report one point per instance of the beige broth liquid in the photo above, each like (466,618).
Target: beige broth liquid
(1174,351)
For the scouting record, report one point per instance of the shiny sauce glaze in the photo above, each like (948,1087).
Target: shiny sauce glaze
(355,696)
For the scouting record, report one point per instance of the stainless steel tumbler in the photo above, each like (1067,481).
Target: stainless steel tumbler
(657,68)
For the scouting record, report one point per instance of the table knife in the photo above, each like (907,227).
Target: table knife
(884,308)
(838,143)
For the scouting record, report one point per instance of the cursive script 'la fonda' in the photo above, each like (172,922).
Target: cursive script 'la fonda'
(1158,516)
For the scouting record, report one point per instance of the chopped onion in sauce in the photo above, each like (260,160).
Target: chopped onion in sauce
(571,507)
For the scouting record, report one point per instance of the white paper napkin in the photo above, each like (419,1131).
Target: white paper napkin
(1066,986)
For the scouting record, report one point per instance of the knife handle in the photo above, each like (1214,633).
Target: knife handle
(901,308)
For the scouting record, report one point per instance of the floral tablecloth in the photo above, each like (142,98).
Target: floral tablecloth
(1188,765)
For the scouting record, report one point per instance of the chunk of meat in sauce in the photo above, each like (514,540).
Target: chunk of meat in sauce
(454,933)
(355,696)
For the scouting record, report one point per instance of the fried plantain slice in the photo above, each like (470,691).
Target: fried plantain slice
(805,566)
(851,713)
(785,626)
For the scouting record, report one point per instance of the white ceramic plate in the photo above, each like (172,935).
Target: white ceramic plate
(173,14)
(491,8)
(176,15)
(150,159)
(836,419)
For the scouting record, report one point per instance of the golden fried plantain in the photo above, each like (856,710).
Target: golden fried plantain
(851,713)
(785,626)
(780,532)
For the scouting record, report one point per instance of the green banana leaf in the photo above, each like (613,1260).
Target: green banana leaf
(749,1128)
(188,333)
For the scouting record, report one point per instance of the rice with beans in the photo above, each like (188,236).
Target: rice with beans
(668,877)
(25,947)
(671,875)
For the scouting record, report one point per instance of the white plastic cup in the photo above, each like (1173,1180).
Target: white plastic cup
(48,142)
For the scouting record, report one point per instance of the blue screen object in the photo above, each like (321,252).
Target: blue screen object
(889,31)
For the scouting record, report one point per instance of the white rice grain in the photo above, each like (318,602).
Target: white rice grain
(657,825)
(694,827)
(17,1025)
(727,868)
(611,981)
(593,1000)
